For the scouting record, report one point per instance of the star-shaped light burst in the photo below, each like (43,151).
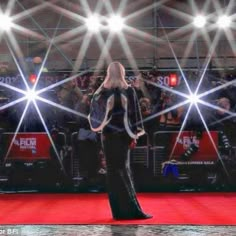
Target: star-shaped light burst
(224,21)
(193,99)
(31,95)
(117,24)
(199,21)
(5,22)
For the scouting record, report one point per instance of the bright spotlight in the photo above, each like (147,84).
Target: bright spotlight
(199,21)
(193,99)
(93,23)
(116,23)
(5,22)
(31,95)
(224,21)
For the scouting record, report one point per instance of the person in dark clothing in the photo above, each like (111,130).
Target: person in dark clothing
(150,124)
(87,146)
(115,111)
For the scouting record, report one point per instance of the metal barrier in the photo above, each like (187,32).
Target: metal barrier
(159,151)
(171,145)
(33,154)
(74,156)
(84,157)
(140,154)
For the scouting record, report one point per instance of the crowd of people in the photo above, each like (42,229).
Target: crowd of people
(158,114)
(159,108)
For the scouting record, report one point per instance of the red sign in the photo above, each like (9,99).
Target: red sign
(32,78)
(207,151)
(28,146)
(173,80)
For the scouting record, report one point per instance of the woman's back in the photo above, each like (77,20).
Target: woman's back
(117,114)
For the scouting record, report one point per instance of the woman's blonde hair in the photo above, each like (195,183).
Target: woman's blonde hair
(115,76)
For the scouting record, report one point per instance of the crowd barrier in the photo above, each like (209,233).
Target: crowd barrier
(35,151)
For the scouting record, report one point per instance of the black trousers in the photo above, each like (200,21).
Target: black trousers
(88,158)
(120,187)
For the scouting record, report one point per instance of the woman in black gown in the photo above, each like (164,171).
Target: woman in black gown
(115,111)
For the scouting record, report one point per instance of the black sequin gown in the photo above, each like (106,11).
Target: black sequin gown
(116,141)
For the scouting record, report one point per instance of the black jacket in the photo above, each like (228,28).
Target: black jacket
(124,116)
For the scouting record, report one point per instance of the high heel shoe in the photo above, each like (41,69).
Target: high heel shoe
(141,216)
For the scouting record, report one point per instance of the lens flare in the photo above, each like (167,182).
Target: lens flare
(5,22)
(193,99)
(93,23)
(199,21)
(31,95)
(116,23)
(224,21)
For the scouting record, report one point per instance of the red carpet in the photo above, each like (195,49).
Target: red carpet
(79,208)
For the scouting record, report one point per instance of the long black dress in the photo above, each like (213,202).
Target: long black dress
(119,126)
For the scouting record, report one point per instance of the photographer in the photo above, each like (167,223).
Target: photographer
(138,83)
(147,110)
(87,145)
(219,122)
(170,120)
(152,92)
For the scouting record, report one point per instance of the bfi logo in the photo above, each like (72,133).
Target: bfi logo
(10,231)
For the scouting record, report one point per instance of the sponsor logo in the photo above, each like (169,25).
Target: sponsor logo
(26,143)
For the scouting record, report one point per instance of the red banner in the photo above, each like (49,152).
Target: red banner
(29,146)
(207,150)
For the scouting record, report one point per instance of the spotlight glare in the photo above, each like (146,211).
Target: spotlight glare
(93,23)
(193,99)
(5,22)
(199,21)
(116,23)
(224,21)
(31,95)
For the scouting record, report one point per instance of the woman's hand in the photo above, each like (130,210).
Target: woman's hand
(133,144)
